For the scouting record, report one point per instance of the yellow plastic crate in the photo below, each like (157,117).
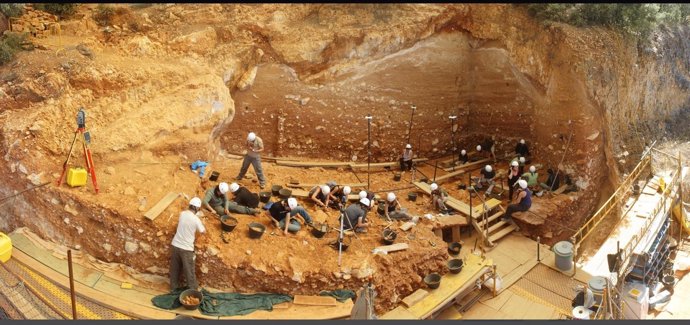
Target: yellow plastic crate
(5,248)
(77,177)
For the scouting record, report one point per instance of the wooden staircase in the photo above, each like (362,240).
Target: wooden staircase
(490,226)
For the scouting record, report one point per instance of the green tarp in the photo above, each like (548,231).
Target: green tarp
(340,295)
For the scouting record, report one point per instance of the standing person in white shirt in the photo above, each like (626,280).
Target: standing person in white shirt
(182,246)
(406,159)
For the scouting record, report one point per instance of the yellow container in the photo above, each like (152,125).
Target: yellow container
(5,248)
(77,177)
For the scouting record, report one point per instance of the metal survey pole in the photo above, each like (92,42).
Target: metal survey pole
(452,137)
(368,117)
(409,127)
(71,284)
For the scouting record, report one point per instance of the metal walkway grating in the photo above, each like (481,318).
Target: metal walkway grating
(548,287)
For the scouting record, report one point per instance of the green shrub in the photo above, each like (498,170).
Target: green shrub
(103,15)
(62,10)
(12,9)
(10,44)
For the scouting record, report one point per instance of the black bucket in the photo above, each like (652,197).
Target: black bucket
(284,194)
(462,186)
(275,189)
(424,180)
(264,197)
(454,248)
(412,196)
(455,265)
(193,293)
(668,281)
(389,236)
(256,230)
(228,223)
(397,177)
(319,230)
(214,176)
(382,208)
(433,280)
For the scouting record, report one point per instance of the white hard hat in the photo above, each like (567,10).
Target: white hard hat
(251,136)
(391,197)
(522,160)
(488,168)
(195,201)
(234,187)
(408,146)
(463,152)
(479,148)
(522,141)
(347,190)
(364,201)
(292,202)
(325,189)
(434,186)
(223,187)
(362,194)
(514,163)
(522,183)
(532,169)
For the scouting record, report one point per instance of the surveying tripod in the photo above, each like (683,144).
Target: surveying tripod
(90,168)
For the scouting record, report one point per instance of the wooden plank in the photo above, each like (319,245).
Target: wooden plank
(314,300)
(163,204)
(324,164)
(415,297)
(399,312)
(353,185)
(504,232)
(455,233)
(561,189)
(450,313)
(450,221)
(124,305)
(461,170)
(342,310)
(407,226)
(386,164)
(393,248)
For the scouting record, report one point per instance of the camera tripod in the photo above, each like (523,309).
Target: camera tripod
(86,137)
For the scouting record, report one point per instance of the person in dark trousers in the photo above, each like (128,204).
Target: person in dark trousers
(487,177)
(182,246)
(392,208)
(253,157)
(552,182)
(521,149)
(340,196)
(216,201)
(321,195)
(488,145)
(285,214)
(513,177)
(243,197)
(522,202)
(463,158)
(356,216)
(406,159)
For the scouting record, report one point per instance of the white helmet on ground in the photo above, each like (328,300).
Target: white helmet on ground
(196,202)
(522,183)
(391,197)
(223,188)
(408,146)
(532,169)
(347,190)
(362,194)
(522,141)
(514,163)
(364,201)
(522,160)
(325,189)
(251,136)
(434,186)
(292,203)
(234,187)
(479,148)
(463,152)
(488,168)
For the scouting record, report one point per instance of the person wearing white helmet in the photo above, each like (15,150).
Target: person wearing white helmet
(532,178)
(521,148)
(339,196)
(356,215)
(487,175)
(182,246)
(521,163)
(513,176)
(254,147)
(321,195)
(393,210)
(521,203)
(406,159)
(463,158)
(287,215)
(439,198)
(216,201)
(242,197)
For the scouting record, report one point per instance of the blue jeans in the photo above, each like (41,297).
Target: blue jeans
(294,225)
(256,163)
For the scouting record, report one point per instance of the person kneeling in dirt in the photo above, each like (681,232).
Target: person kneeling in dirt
(321,195)
(356,216)
(463,158)
(522,202)
(439,198)
(393,210)
(243,197)
(532,178)
(217,202)
(285,214)
(487,177)
(552,182)
(182,246)
(406,159)
(340,196)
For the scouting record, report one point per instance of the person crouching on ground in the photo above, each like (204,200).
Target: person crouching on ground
(216,201)
(463,158)
(552,182)
(522,202)
(487,177)
(356,216)
(321,195)
(393,209)
(242,198)
(340,195)
(439,198)
(182,246)
(285,214)
(532,180)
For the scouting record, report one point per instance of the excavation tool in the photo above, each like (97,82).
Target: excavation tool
(409,127)
(90,168)
(341,235)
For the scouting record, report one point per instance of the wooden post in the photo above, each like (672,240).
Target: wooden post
(575,244)
(71,284)
(494,275)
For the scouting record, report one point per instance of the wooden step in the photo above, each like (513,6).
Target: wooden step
(504,232)
(496,226)
(491,218)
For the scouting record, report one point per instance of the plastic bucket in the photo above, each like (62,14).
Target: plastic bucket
(256,230)
(228,223)
(455,265)
(433,280)
(454,248)
(412,196)
(389,236)
(597,284)
(564,255)
(193,293)
(397,177)
(284,193)
(275,189)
